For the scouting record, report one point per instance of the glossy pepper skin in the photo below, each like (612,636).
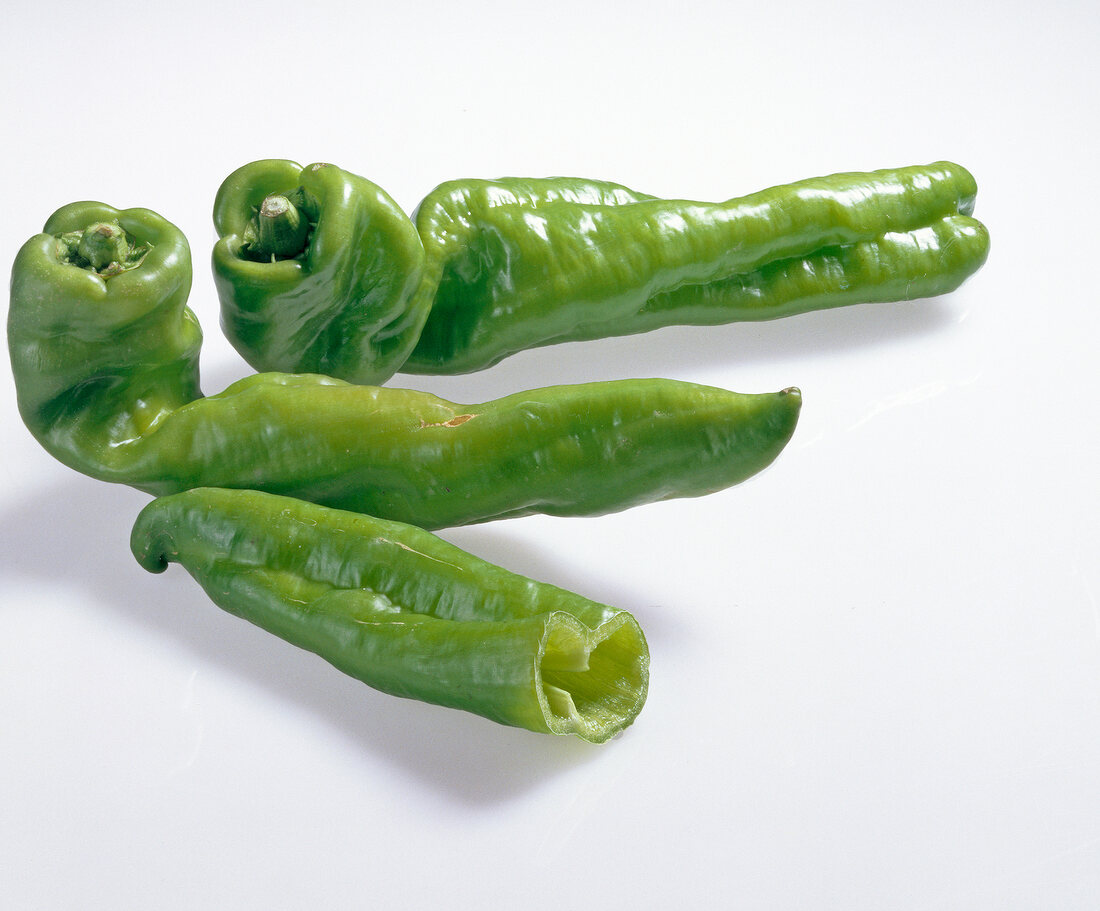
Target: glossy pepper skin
(120,402)
(101,357)
(405,612)
(318,271)
(522,263)
(519,263)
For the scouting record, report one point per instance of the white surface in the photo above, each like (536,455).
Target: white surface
(876,666)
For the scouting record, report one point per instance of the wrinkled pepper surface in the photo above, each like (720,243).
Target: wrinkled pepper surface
(105,359)
(331,257)
(404,611)
(518,263)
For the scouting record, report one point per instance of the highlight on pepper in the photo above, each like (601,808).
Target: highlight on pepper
(494,267)
(404,611)
(107,377)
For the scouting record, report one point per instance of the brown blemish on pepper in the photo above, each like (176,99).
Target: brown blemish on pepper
(453,422)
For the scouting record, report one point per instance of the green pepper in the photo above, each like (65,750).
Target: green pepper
(517,263)
(102,351)
(405,612)
(106,376)
(524,263)
(333,256)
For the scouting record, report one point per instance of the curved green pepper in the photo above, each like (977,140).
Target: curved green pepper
(101,354)
(518,263)
(521,264)
(120,402)
(332,257)
(404,611)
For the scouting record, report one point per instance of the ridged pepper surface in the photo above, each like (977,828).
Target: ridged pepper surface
(404,611)
(318,271)
(106,367)
(518,263)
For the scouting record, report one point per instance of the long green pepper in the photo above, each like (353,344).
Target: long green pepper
(518,263)
(404,611)
(318,272)
(105,357)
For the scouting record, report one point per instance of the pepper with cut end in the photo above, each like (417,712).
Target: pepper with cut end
(105,362)
(518,263)
(318,271)
(405,612)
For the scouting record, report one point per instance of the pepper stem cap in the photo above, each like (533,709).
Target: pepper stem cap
(281,229)
(104,245)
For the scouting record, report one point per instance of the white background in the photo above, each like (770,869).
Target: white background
(876,666)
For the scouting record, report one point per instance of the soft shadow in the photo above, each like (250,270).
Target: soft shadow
(678,350)
(492,542)
(217,377)
(78,535)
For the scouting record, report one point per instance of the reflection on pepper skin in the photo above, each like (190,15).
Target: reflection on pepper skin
(498,266)
(404,611)
(106,370)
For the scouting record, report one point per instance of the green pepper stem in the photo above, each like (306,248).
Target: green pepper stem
(104,245)
(281,229)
